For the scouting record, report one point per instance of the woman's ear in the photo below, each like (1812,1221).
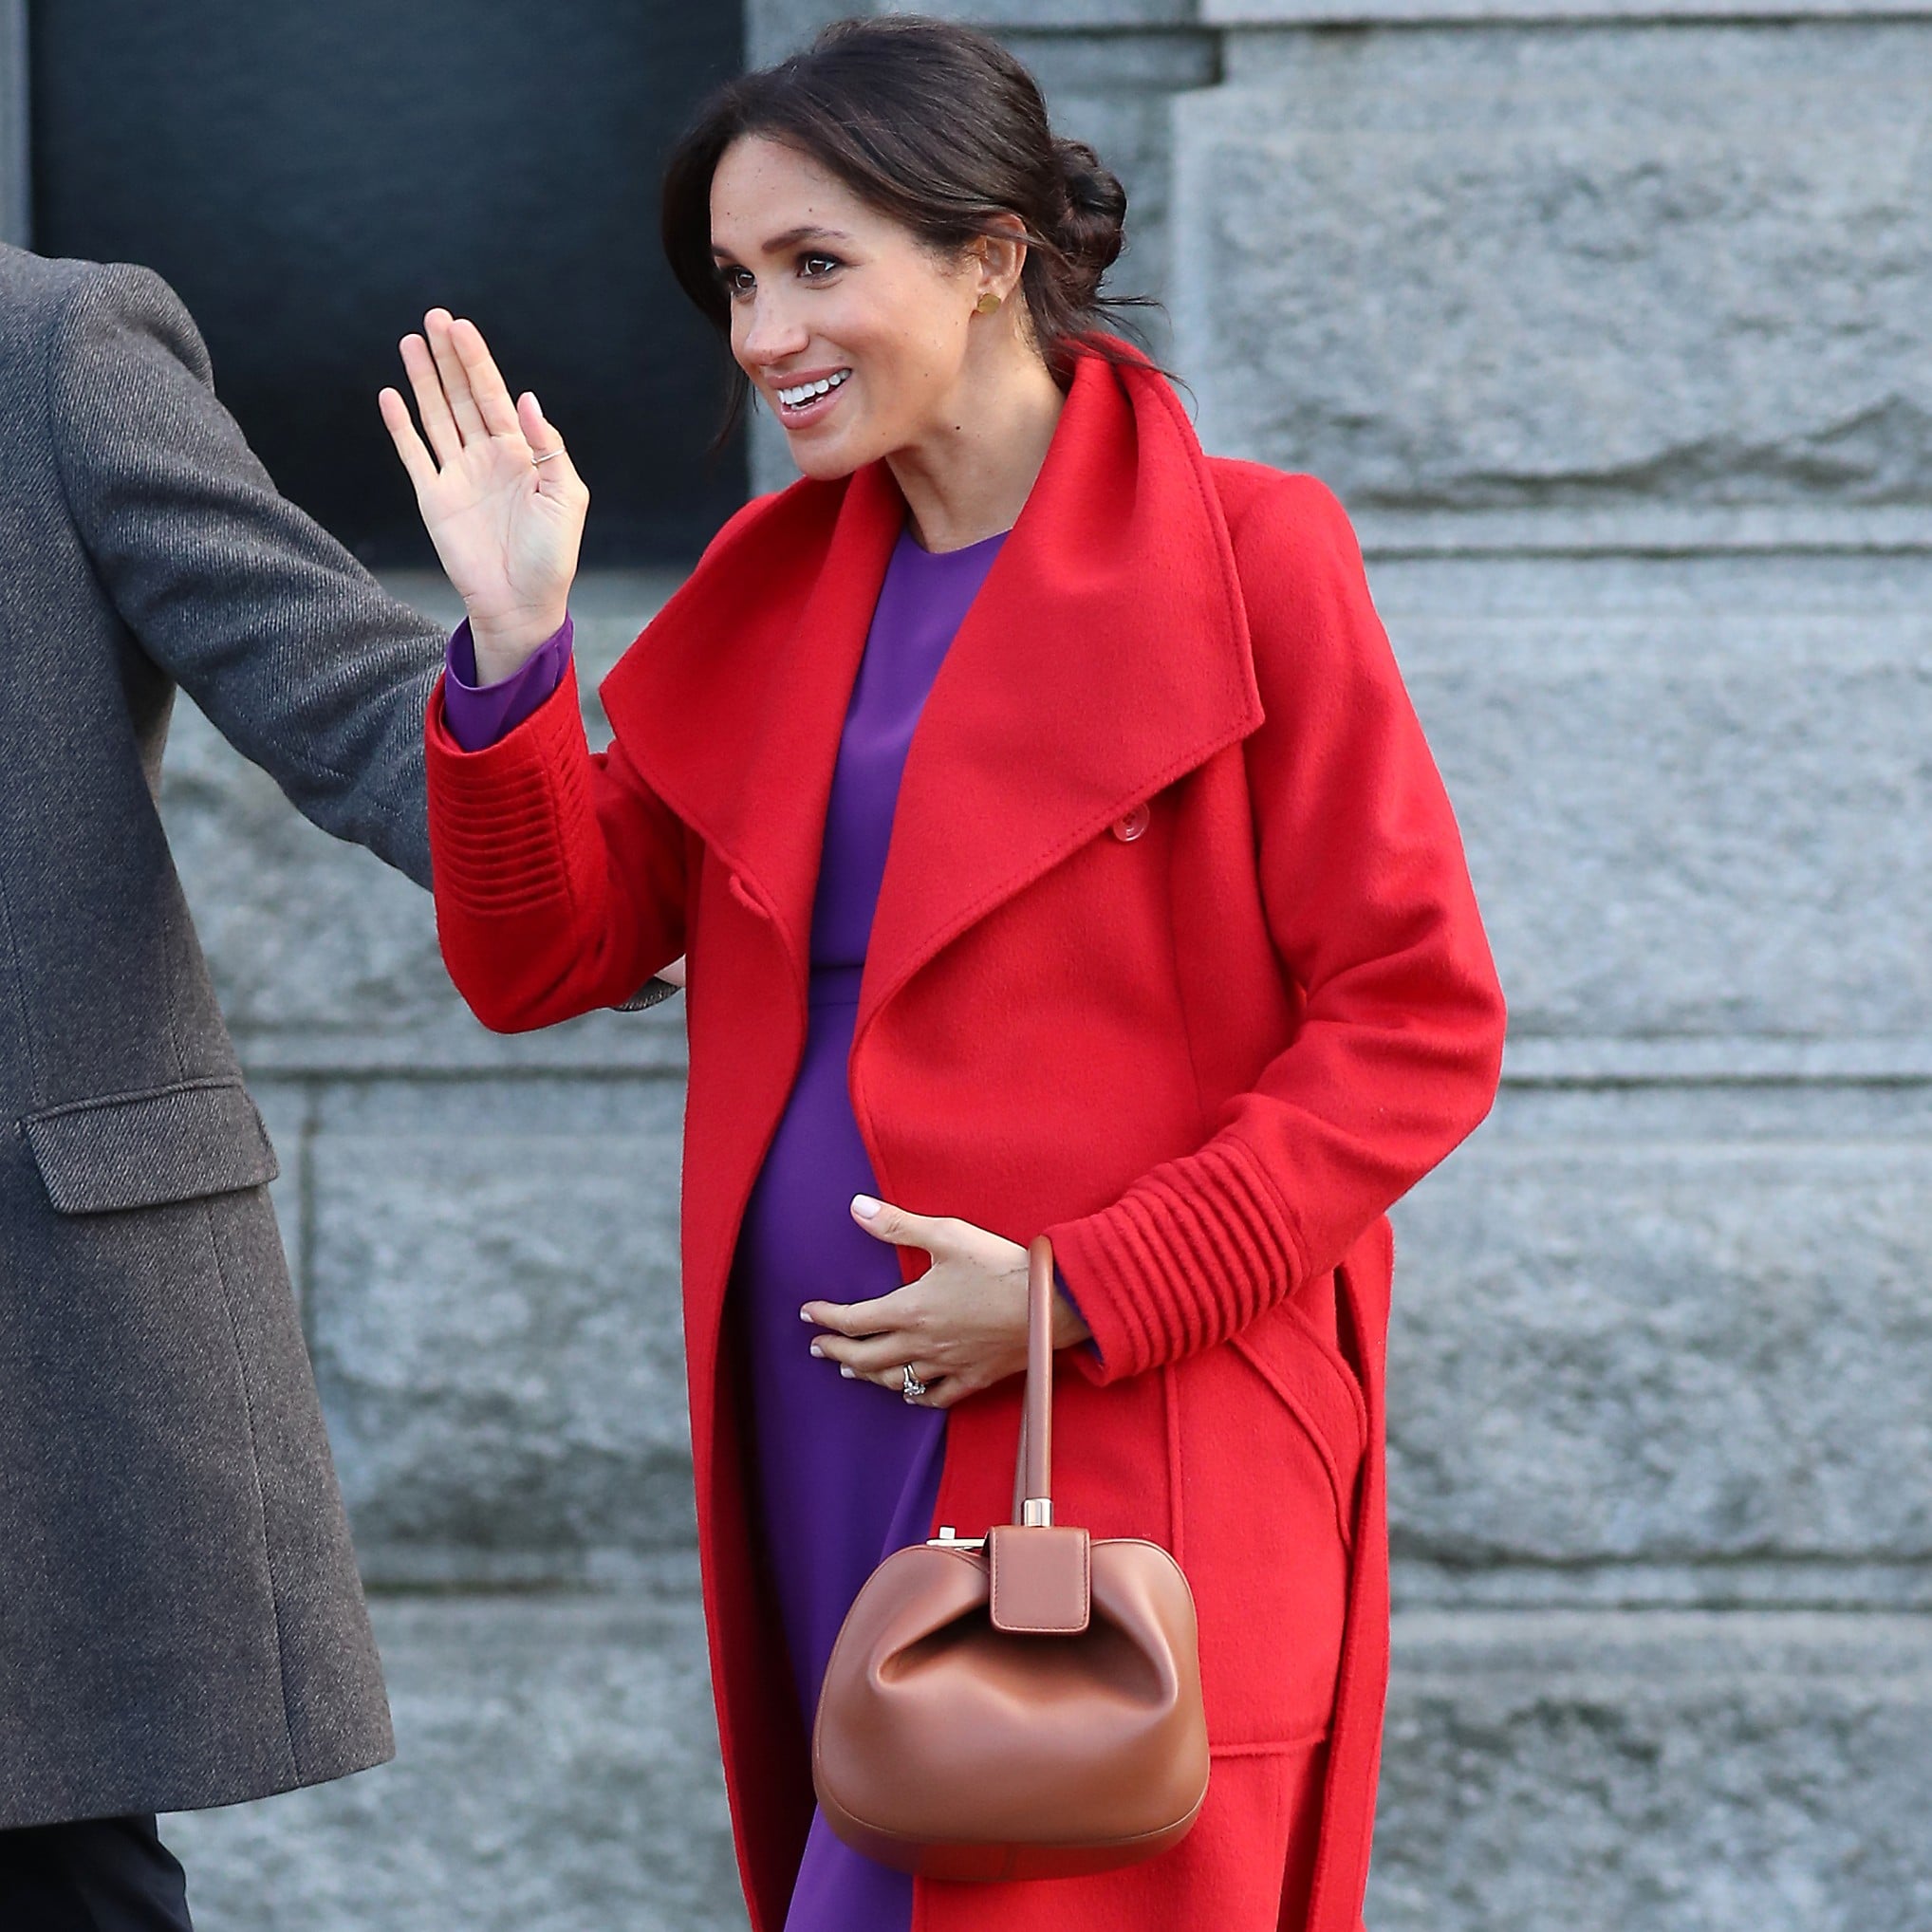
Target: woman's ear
(1001,256)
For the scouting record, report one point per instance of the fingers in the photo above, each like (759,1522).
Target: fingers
(461,398)
(888,1314)
(872,1340)
(409,446)
(432,405)
(438,326)
(939,1395)
(556,474)
(498,412)
(903,1229)
(871,1356)
(881,1355)
(937,1390)
(962,1325)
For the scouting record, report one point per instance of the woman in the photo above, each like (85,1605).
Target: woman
(1157,938)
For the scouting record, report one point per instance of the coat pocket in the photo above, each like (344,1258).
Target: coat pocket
(1319,1389)
(134,1150)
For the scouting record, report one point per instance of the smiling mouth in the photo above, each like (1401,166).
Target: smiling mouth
(797,399)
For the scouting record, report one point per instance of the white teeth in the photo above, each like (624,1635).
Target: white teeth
(805,392)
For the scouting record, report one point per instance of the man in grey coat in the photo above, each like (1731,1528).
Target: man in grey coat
(180,1619)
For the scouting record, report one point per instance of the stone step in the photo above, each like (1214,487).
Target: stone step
(1691,791)
(1673,1772)
(1479,267)
(1610,1347)
(556,1768)
(1681,1773)
(493,1313)
(1691,788)
(1658,1326)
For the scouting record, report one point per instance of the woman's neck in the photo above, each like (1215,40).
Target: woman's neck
(969,478)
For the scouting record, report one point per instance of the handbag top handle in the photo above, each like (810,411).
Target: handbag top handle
(1037,1438)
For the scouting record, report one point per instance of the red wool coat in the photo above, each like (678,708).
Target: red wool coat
(1205,1059)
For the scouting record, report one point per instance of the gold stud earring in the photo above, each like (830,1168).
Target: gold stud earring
(987,303)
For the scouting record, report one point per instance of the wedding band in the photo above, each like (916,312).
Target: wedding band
(547,455)
(914,1386)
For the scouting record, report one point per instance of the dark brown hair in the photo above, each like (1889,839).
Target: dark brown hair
(941,129)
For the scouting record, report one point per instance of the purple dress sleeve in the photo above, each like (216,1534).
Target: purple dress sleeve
(1073,1302)
(478,714)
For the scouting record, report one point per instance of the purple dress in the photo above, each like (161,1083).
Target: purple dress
(846,1472)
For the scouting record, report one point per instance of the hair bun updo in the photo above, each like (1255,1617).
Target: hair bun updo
(1090,236)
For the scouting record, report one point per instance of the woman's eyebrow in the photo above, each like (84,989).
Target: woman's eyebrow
(790,239)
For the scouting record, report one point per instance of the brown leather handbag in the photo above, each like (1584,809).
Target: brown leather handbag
(1025,1705)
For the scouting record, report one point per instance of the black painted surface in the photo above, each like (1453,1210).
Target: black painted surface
(311,177)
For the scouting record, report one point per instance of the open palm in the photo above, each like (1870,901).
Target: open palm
(500,499)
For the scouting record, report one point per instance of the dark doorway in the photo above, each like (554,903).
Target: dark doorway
(311,177)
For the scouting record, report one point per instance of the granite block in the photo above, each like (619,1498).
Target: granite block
(1574,269)
(495,1322)
(1677,1773)
(1615,1348)
(556,1768)
(1692,790)
(1683,1774)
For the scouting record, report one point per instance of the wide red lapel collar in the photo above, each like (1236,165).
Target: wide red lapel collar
(731,702)
(1105,656)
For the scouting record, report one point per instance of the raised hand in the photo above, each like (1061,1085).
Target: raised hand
(500,499)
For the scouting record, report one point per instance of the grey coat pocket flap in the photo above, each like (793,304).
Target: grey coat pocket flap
(134,1150)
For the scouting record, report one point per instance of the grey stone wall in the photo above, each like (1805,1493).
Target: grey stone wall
(1609,332)
(1608,325)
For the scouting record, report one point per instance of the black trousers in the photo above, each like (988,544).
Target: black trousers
(98,1875)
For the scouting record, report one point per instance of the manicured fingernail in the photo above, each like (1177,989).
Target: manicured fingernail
(864,1206)
(534,403)
(818,1351)
(805,1314)
(846,1370)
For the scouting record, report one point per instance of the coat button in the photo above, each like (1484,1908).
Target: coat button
(1130,827)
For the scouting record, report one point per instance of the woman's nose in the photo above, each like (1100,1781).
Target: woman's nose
(772,335)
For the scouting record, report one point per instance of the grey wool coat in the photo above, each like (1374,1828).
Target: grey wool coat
(180,1619)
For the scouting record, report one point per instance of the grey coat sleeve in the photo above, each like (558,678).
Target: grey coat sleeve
(300,658)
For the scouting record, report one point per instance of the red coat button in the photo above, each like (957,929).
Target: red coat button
(1130,829)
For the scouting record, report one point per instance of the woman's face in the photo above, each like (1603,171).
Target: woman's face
(855,333)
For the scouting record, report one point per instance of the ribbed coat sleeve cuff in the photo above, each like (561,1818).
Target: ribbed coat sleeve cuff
(500,818)
(1190,1254)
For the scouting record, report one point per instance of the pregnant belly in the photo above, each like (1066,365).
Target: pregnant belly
(845,1470)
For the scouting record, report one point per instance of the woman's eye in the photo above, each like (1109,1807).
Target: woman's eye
(735,281)
(816,267)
